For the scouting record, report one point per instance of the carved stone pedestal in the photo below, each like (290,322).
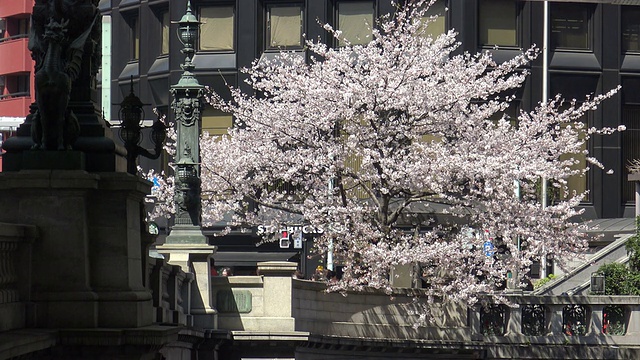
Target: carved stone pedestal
(87,262)
(194,258)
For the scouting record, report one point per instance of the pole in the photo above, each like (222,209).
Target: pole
(545,96)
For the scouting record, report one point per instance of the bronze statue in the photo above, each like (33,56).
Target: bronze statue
(57,45)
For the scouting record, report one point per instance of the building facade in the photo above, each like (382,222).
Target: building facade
(592,47)
(16,66)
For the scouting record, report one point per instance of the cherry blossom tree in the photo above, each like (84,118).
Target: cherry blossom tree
(400,150)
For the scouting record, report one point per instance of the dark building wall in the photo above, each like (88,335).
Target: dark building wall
(573,72)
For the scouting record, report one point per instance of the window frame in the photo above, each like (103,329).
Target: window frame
(132,19)
(162,13)
(444,16)
(628,10)
(590,10)
(336,18)
(518,8)
(267,26)
(630,117)
(234,40)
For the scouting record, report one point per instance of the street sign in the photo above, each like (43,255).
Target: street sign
(297,241)
(488,248)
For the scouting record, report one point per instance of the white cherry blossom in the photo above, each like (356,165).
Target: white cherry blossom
(400,150)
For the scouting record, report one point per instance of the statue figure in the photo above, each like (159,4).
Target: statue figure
(58,46)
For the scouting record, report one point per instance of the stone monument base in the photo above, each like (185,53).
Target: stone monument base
(195,259)
(87,258)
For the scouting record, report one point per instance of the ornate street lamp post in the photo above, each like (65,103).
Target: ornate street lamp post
(187,104)
(131,117)
(186,246)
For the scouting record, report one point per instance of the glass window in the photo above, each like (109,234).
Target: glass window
(578,183)
(216,122)
(355,20)
(630,28)
(166,24)
(570,26)
(498,22)
(439,26)
(23,26)
(134,23)
(218,28)
(284,27)
(630,146)
(16,84)
(574,86)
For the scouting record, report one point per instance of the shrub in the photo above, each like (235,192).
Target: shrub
(617,278)
(540,283)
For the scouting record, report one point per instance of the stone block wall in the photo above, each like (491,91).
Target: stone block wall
(256,303)
(15,274)
(373,314)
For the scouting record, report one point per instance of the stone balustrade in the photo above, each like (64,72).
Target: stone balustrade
(171,292)
(15,274)
(590,319)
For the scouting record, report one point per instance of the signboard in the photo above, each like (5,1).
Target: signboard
(488,248)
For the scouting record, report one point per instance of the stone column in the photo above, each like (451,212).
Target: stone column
(633,323)
(555,319)
(278,292)
(195,259)
(595,320)
(514,325)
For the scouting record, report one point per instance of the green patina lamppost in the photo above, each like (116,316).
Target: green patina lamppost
(188,104)
(186,246)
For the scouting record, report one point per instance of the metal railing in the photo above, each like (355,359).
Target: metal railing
(14,37)
(15,95)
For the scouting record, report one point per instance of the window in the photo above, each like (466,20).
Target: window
(134,37)
(17,85)
(570,26)
(218,29)
(575,86)
(284,26)
(498,22)
(355,20)
(23,27)
(578,183)
(630,28)
(216,122)
(439,26)
(630,146)
(166,24)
